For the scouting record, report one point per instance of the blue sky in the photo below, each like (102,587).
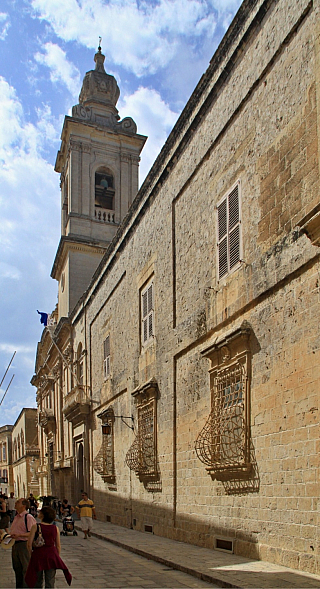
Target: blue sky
(157,50)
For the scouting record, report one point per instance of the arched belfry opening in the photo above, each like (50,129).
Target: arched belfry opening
(104,190)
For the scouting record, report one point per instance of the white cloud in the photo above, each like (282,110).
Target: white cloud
(10,349)
(4,25)
(29,233)
(154,119)
(17,137)
(9,271)
(61,70)
(226,10)
(12,408)
(140,37)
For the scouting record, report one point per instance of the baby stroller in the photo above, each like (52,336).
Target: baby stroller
(68,526)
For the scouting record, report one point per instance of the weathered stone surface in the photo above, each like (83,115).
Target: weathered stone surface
(254,118)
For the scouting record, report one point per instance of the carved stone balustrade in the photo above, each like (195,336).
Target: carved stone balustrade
(77,404)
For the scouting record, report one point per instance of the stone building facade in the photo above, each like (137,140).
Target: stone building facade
(181,389)
(6,475)
(25,453)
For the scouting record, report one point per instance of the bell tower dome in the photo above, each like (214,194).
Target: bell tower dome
(98,162)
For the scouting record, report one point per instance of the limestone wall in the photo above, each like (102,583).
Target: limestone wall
(259,128)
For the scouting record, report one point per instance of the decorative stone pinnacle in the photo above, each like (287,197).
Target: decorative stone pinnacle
(99,60)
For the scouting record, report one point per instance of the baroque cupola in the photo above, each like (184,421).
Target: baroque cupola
(98,162)
(98,87)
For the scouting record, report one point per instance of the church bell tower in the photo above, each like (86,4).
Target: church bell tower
(98,162)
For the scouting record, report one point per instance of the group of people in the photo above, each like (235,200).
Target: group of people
(34,561)
(7,510)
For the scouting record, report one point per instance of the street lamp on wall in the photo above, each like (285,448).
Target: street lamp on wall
(106,427)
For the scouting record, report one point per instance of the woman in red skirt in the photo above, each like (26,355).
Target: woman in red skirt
(45,560)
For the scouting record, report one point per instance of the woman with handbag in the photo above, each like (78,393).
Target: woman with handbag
(44,542)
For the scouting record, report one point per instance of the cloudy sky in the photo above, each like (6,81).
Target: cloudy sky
(157,50)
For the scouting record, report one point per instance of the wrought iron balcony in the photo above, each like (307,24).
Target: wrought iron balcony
(77,404)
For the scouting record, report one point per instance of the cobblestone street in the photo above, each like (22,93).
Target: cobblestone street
(95,563)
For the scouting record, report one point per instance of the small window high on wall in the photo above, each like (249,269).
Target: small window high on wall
(229,231)
(104,190)
(147,314)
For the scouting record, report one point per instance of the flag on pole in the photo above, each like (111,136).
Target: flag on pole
(43,318)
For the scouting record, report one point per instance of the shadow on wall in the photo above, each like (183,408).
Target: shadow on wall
(150,517)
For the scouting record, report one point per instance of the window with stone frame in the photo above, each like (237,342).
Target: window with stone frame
(4,452)
(19,447)
(229,231)
(104,461)
(223,444)
(22,443)
(147,313)
(65,204)
(142,455)
(80,360)
(106,357)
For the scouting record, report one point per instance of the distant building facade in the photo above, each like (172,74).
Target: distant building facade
(6,476)
(180,382)
(25,453)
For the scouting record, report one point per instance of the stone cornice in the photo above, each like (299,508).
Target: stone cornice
(74,243)
(310,225)
(124,128)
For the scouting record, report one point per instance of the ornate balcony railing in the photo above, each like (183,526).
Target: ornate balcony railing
(47,420)
(105,216)
(76,404)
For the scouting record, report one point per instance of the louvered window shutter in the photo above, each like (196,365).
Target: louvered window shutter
(222,239)
(150,310)
(229,232)
(147,314)
(234,227)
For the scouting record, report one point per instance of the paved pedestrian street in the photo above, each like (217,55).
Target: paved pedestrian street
(96,563)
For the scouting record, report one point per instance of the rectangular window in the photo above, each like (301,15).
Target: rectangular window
(106,357)
(4,453)
(80,371)
(142,455)
(147,454)
(223,443)
(229,231)
(147,313)
(104,461)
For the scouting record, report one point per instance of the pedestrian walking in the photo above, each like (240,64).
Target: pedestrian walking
(19,531)
(66,509)
(33,505)
(11,504)
(86,510)
(45,559)
(5,518)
